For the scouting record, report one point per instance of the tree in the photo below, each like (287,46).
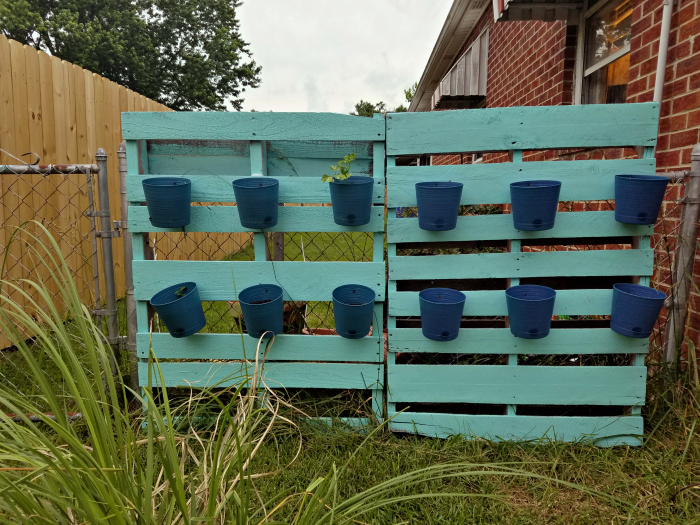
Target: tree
(186,54)
(367,109)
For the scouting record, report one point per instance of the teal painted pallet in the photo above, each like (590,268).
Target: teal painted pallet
(212,150)
(505,387)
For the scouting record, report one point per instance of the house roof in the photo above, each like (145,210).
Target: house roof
(461,20)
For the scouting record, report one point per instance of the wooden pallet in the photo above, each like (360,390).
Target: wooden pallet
(212,149)
(492,401)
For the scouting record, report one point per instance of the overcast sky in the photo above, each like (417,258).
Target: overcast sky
(326,55)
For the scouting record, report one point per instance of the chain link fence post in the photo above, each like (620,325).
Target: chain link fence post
(106,234)
(684,262)
(128,273)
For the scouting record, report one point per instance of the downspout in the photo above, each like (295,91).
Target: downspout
(663,51)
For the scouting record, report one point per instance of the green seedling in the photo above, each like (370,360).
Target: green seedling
(181,292)
(341,172)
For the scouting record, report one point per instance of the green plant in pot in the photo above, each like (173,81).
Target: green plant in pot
(351,197)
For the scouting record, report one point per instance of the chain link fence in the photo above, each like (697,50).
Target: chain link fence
(62,199)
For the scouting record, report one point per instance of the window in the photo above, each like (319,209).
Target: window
(606,53)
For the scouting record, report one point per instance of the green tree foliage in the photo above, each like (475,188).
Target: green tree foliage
(367,109)
(186,54)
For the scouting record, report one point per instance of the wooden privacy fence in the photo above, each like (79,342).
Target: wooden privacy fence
(443,385)
(220,148)
(63,113)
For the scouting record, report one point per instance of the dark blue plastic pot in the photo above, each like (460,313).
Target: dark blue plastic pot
(352,200)
(441,313)
(257,199)
(438,205)
(535,204)
(530,309)
(168,201)
(180,309)
(353,306)
(638,198)
(262,309)
(635,309)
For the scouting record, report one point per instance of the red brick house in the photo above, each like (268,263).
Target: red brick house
(503,53)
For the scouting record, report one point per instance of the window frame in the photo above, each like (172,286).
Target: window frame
(580,74)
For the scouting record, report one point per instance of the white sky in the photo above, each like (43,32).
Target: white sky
(326,55)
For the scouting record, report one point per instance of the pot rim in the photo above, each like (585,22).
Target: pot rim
(439,185)
(552,291)
(165,182)
(659,295)
(641,178)
(450,290)
(535,184)
(251,182)
(191,286)
(279,288)
(358,180)
(374,298)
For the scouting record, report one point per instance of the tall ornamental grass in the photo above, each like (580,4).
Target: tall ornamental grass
(141,457)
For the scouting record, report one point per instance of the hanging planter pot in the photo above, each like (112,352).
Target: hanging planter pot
(635,309)
(441,313)
(168,201)
(257,199)
(438,205)
(262,309)
(530,309)
(180,309)
(535,204)
(352,200)
(353,306)
(638,198)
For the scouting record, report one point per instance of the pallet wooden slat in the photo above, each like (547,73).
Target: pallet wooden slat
(499,227)
(276,375)
(286,347)
(302,281)
(218,188)
(226,219)
(525,385)
(600,431)
(490,183)
(250,126)
(493,303)
(523,264)
(522,128)
(573,341)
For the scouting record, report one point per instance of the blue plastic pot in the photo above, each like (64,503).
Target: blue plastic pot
(635,309)
(262,308)
(168,201)
(352,201)
(180,309)
(257,199)
(353,306)
(441,313)
(530,309)
(438,205)
(535,204)
(638,198)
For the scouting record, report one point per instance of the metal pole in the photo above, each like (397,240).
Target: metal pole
(684,261)
(663,51)
(131,327)
(106,234)
(93,241)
